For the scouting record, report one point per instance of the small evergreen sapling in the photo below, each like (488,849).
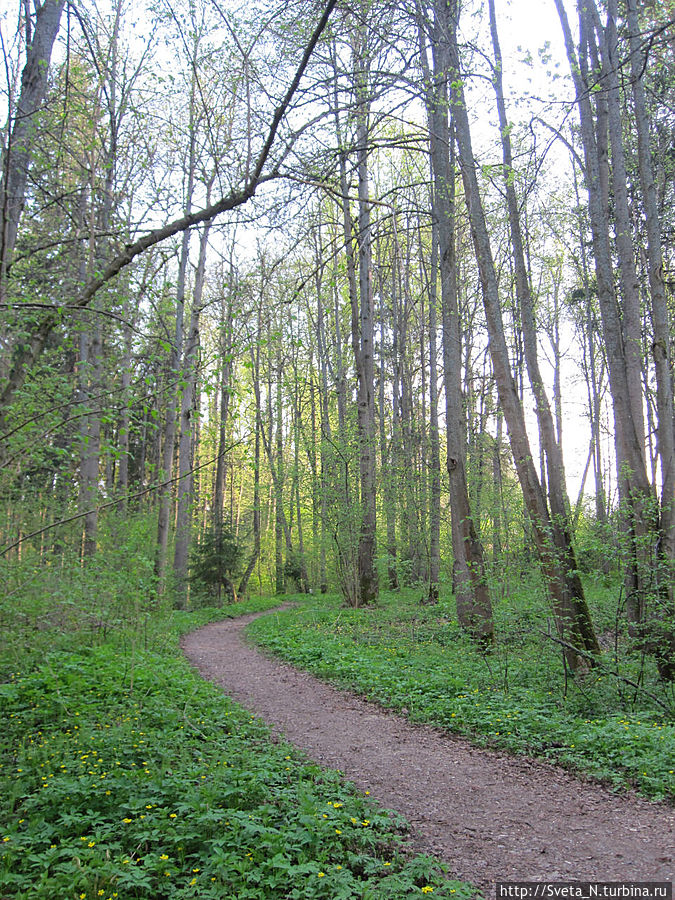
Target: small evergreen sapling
(215,560)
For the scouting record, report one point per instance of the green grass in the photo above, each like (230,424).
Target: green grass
(415,658)
(123,774)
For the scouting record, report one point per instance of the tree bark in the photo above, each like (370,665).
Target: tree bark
(169,437)
(187,429)
(571,616)
(24,131)
(641,520)
(387,449)
(474,608)
(434,438)
(255,376)
(363,339)
(362,332)
(226,368)
(661,338)
(555,473)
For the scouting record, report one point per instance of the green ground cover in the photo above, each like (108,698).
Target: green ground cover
(411,657)
(124,775)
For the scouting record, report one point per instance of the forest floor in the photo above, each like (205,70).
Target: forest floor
(491,817)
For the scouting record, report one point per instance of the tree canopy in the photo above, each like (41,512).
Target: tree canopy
(351,287)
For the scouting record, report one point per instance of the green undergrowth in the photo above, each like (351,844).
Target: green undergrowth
(414,658)
(125,775)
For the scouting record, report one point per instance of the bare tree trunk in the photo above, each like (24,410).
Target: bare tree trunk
(187,428)
(324,421)
(295,490)
(255,375)
(84,379)
(255,554)
(90,460)
(435,509)
(277,466)
(362,329)
(362,341)
(91,347)
(275,460)
(164,514)
(387,452)
(497,494)
(594,379)
(169,437)
(100,220)
(474,608)
(406,449)
(226,368)
(641,527)
(661,345)
(630,287)
(312,456)
(130,315)
(397,438)
(555,473)
(24,131)
(570,610)
(304,577)
(122,485)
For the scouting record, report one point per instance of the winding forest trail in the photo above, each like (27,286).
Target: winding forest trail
(491,817)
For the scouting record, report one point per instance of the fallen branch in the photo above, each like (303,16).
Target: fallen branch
(615,674)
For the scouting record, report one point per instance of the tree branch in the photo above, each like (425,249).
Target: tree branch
(153,487)
(595,662)
(40,334)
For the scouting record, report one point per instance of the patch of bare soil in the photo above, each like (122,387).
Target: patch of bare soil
(491,817)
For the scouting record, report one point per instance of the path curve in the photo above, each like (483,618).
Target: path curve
(490,816)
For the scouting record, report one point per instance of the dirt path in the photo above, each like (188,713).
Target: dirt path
(492,817)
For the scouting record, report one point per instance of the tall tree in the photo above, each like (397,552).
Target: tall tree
(255,174)
(549,441)
(563,584)
(25,127)
(359,268)
(661,344)
(646,548)
(174,368)
(363,330)
(474,608)
(188,422)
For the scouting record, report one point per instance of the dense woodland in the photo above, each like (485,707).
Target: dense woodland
(305,291)
(308,297)
(367,302)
